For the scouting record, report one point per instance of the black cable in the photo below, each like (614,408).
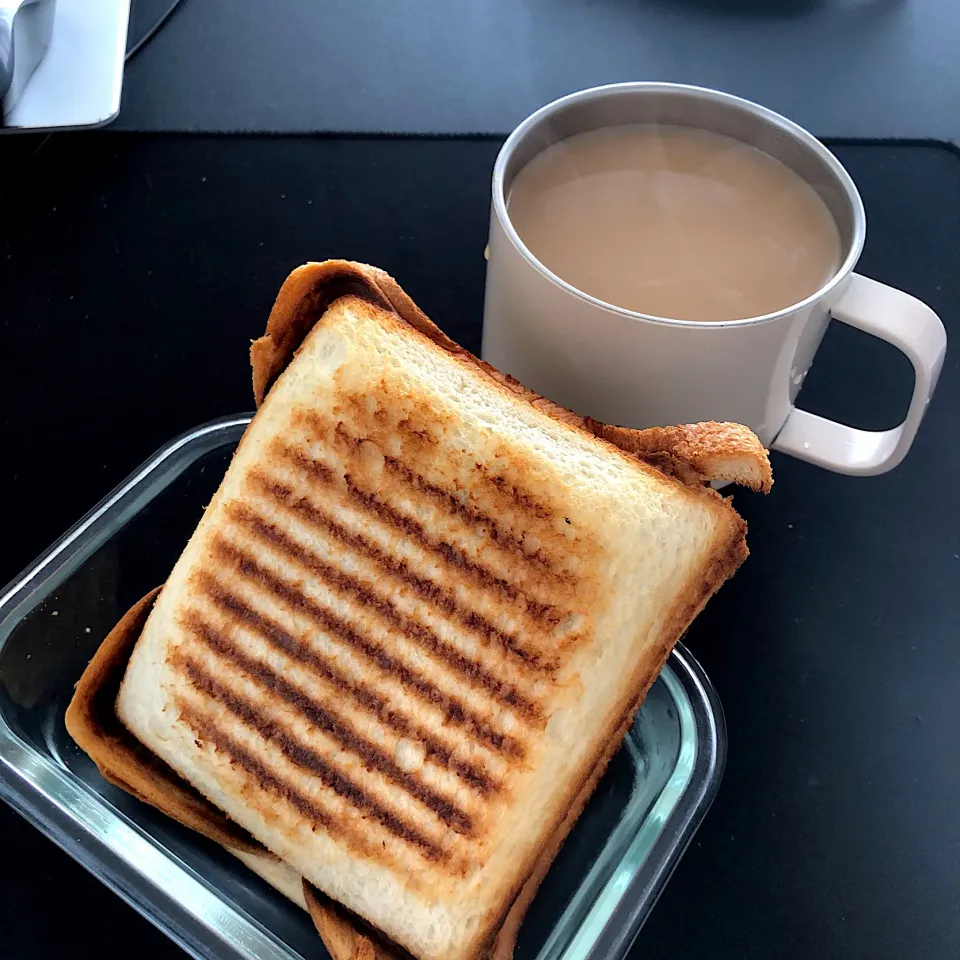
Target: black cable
(153,31)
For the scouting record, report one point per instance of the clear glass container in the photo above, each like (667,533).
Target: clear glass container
(593,902)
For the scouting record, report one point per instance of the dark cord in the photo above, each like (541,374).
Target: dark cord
(153,31)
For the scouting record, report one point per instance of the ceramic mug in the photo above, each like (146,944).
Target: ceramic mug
(634,370)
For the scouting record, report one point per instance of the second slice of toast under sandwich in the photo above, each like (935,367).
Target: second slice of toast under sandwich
(411,620)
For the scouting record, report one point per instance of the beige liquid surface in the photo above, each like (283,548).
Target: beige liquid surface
(675,222)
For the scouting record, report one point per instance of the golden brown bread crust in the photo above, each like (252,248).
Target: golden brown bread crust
(121,759)
(690,453)
(304,297)
(345,935)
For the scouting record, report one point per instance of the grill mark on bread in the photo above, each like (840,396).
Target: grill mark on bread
(545,614)
(516,496)
(324,717)
(469,669)
(303,757)
(313,516)
(369,700)
(206,729)
(413,433)
(321,429)
(469,514)
(454,711)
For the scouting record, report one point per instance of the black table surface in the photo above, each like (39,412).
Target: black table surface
(852,68)
(134,269)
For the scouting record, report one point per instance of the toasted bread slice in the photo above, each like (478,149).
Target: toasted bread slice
(415,615)
(91,719)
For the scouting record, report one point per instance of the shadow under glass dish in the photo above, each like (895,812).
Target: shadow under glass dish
(599,890)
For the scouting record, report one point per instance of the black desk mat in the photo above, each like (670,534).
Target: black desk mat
(135,268)
(849,68)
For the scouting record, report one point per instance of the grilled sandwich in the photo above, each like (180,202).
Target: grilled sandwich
(420,611)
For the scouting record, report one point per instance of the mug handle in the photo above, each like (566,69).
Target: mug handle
(909,325)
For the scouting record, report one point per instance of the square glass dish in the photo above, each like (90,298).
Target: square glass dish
(593,902)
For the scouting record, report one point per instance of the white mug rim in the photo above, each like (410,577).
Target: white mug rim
(645,87)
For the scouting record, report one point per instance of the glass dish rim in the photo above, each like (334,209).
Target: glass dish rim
(108,844)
